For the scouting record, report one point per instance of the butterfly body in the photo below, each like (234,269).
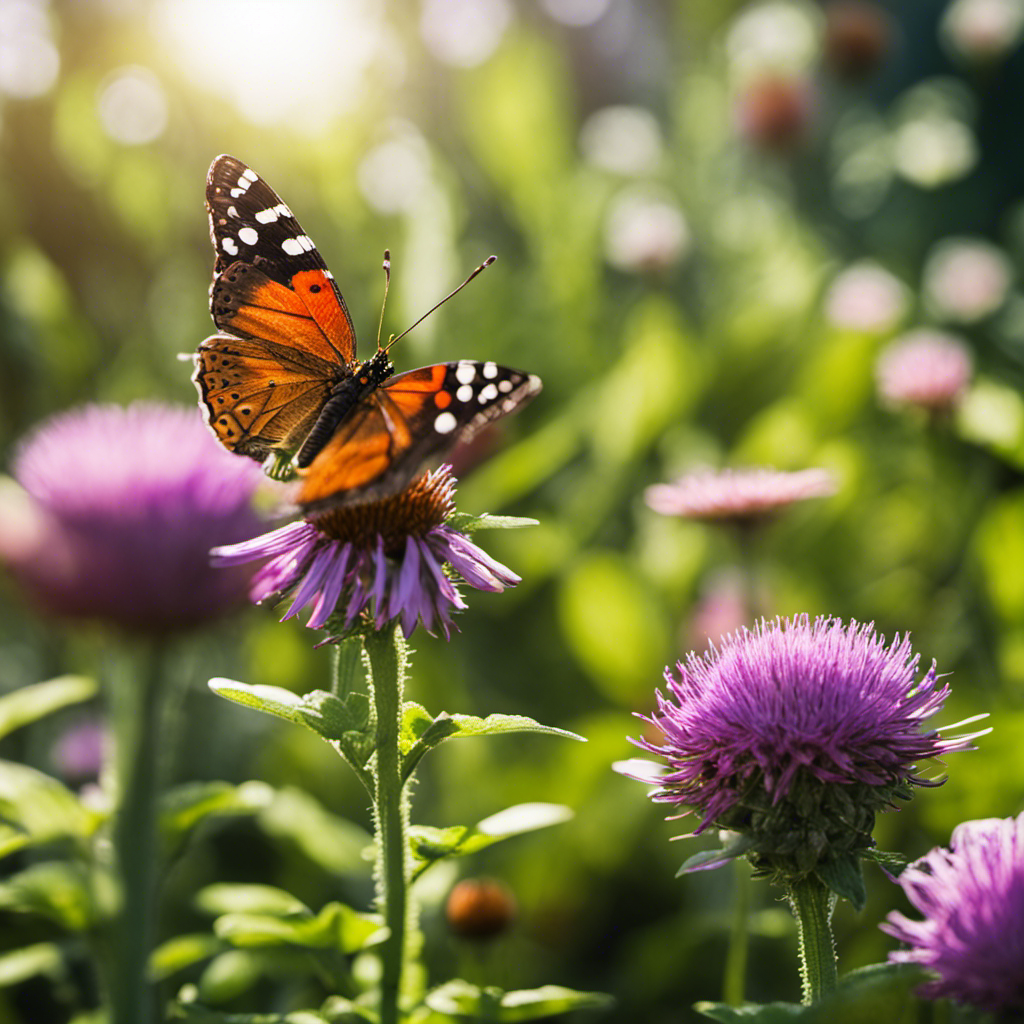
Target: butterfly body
(281,375)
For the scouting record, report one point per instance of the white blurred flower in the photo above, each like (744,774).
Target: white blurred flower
(926,368)
(29,61)
(966,279)
(621,139)
(782,36)
(464,33)
(645,232)
(395,174)
(132,106)
(866,297)
(576,13)
(982,30)
(934,149)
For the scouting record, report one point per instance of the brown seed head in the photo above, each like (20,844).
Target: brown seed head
(480,908)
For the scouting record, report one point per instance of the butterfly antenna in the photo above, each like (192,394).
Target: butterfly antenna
(479,270)
(387,285)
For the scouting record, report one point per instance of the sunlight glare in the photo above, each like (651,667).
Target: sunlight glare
(276,60)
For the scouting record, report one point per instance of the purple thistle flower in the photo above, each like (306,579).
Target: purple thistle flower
(972,899)
(796,735)
(116,513)
(383,558)
(737,494)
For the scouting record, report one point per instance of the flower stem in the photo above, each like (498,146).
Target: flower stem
(812,904)
(137,714)
(388,656)
(735,976)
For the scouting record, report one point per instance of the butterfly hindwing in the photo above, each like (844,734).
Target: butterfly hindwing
(412,417)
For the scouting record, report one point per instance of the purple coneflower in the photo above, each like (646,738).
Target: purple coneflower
(972,899)
(737,494)
(116,513)
(795,734)
(926,368)
(383,558)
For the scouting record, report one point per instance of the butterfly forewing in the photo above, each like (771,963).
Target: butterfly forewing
(411,418)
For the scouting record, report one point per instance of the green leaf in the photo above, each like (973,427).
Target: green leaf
(707,859)
(201,1015)
(20,964)
(339,1010)
(30,703)
(752,1013)
(465,522)
(55,890)
(271,700)
(335,927)
(230,974)
(460,998)
(421,733)
(238,898)
(43,808)
(430,845)
(181,952)
(12,839)
(185,807)
(333,843)
(892,863)
(844,877)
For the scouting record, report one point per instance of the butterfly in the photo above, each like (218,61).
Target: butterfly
(281,376)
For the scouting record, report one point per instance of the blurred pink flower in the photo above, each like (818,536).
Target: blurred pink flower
(645,232)
(737,494)
(721,609)
(78,752)
(925,368)
(117,511)
(982,30)
(865,297)
(966,280)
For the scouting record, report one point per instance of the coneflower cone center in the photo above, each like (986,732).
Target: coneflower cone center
(415,511)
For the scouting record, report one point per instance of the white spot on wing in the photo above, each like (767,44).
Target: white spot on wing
(232,212)
(250,174)
(236,192)
(306,242)
(292,246)
(490,370)
(504,386)
(283,210)
(266,216)
(488,394)
(465,372)
(229,246)
(249,235)
(465,393)
(445,423)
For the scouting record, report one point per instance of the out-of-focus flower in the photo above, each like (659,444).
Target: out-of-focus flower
(925,368)
(966,280)
(375,562)
(858,36)
(480,908)
(934,149)
(795,735)
(972,899)
(737,494)
(774,112)
(116,513)
(645,232)
(133,106)
(29,61)
(866,297)
(78,753)
(781,37)
(621,139)
(464,33)
(982,31)
(721,608)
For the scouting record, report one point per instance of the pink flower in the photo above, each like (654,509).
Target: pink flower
(925,368)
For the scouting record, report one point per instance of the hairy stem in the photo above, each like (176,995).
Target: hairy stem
(812,905)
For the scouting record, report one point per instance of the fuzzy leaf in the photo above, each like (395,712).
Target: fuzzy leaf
(427,733)
(430,845)
(460,998)
(181,952)
(271,700)
(186,806)
(238,898)
(55,890)
(464,522)
(30,703)
(335,927)
(43,808)
(20,964)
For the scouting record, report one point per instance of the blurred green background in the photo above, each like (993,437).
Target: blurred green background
(674,191)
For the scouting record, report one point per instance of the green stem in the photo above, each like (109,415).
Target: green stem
(388,656)
(735,976)
(137,722)
(812,905)
(347,668)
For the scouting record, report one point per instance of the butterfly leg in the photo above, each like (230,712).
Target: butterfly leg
(278,466)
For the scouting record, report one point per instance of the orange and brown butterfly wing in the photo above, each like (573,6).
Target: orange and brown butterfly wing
(382,444)
(287,337)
